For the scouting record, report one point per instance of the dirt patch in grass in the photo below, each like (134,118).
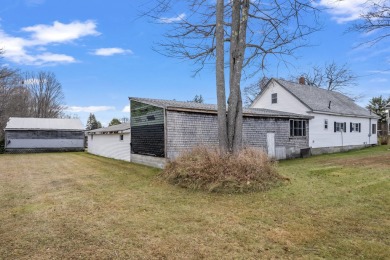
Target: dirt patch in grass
(75,205)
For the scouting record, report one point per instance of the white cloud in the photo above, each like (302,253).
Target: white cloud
(32,50)
(172,19)
(60,32)
(126,109)
(111,51)
(379,80)
(347,10)
(89,109)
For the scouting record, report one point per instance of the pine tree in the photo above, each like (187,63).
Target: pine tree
(114,121)
(92,123)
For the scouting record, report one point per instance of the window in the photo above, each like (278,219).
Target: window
(373,129)
(340,127)
(120,137)
(297,128)
(355,127)
(91,137)
(274,98)
(326,124)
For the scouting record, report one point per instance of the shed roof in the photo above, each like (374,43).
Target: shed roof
(20,123)
(114,128)
(318,99)
(211,108)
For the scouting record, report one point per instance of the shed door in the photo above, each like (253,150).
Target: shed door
(271,144)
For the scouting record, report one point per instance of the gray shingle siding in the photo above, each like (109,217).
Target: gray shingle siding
(186,130)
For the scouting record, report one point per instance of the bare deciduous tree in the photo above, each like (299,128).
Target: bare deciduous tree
(375,21)
(14,97)
(331,77)
(245,32)
(46,93)
(253,90)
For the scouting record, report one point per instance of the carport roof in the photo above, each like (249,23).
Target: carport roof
(114,128)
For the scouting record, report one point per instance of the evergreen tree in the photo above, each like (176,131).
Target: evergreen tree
(114,121)
(377,106)
(92,123)
(197,99)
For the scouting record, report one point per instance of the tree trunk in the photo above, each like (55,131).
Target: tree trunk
(237,51)
(220,77)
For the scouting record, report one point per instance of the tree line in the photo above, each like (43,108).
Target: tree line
(29,94)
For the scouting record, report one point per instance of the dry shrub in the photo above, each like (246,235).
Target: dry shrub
(383,140)
(206,169)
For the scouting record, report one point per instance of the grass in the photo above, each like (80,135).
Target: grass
(75,205)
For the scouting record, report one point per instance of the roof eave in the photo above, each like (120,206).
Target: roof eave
(341,114)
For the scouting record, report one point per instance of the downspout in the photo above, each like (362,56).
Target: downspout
(369,131)
(165,134)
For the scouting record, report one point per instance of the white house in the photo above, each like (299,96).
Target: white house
(338,123)
(112,141)
(43,135)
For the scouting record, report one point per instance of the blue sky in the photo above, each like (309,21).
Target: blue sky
(102,53)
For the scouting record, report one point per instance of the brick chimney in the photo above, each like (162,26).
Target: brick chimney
(302,80)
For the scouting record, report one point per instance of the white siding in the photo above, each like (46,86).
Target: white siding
(286,101)
(45,143)
(321,137)
(318,136)
(109,145)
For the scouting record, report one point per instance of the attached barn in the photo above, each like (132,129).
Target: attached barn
(43,135)
(112,141)
(162,129)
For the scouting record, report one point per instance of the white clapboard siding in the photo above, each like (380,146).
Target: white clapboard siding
(110,145)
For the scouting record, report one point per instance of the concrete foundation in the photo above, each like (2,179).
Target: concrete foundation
(152,161)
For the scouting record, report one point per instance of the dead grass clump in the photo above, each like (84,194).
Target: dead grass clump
(205,169)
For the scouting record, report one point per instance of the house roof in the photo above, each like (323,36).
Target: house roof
(212,109)
(114,128)
(20,123)
(324,101)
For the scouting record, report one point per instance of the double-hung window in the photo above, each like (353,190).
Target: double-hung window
(355,127)
(297,128)
(274,98)
(340,127)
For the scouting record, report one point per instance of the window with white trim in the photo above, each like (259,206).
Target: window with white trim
(120,137)
(373,129)
(274,98)
(297,128)
(326,124)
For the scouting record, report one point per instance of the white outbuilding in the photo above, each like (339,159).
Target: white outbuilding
(43,135)
(112,142)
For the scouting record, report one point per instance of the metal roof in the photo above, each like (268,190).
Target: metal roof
(211,108)
(20,123)
(322,100)
(114,128)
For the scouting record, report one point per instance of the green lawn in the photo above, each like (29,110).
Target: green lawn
(76,205)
